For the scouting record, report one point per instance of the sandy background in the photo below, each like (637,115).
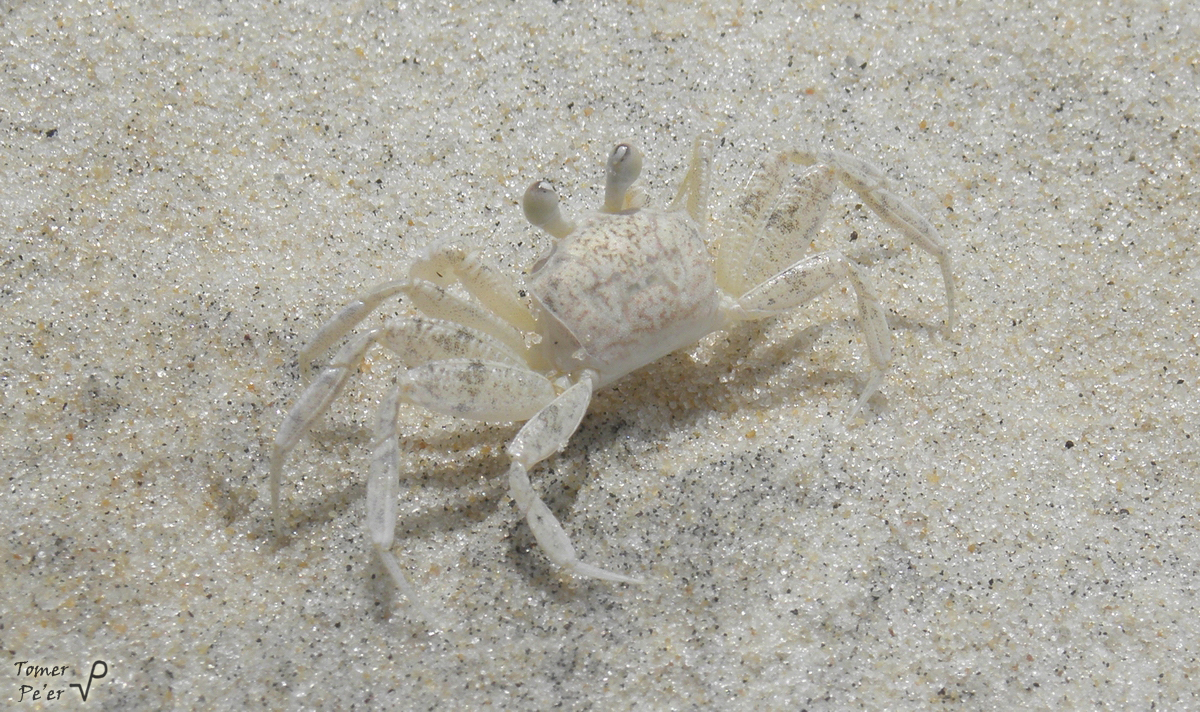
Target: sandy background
(187,193)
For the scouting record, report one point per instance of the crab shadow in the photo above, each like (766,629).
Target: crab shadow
(681,390)
(467,470)
(472,457)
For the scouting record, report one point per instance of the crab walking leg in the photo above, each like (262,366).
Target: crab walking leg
(477,390)
(418,340)
(313,402)
(445,263)
(345,320)
(545,434)
(869,181)
(415,341)
(503,323)
(436,302)
(807,279)
(383,489)
(469,388)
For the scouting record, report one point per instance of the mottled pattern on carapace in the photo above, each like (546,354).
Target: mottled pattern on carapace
(630,287)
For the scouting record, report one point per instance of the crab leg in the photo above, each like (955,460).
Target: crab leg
(437,302)
(469,388)
(383,489)
(875,190)
(443,264)
(810,277)
(415,341)
(346,319)
(313,402)
(545,434)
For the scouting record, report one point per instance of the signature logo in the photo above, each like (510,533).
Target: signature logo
(30,675)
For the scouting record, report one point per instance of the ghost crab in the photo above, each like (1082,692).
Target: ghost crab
(620,289)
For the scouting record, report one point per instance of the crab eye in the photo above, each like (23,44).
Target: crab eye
(625,163)
(541,210)
(624,167)
(539,202)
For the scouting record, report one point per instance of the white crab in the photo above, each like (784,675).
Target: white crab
(619,290)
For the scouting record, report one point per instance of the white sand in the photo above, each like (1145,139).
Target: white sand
(186,195)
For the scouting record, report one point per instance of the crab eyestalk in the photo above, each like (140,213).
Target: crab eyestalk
(624,166)
(541,210)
